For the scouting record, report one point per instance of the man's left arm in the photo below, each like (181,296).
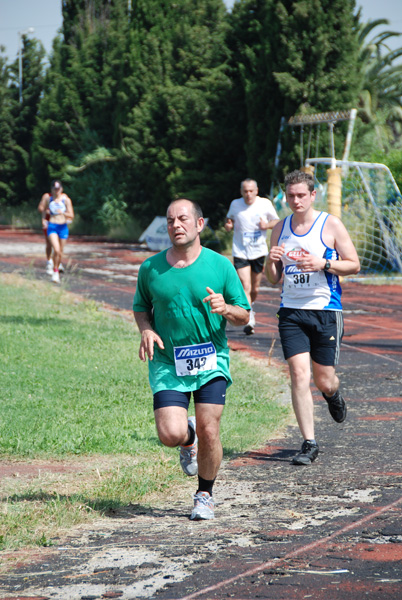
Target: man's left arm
(270,218)
(350,263)
(268,224)
(335,235)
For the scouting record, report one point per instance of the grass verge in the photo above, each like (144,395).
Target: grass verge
(77,409)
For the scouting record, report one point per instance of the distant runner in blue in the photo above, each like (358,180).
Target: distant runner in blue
(57,212)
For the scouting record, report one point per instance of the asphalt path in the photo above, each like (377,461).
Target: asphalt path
(332,530)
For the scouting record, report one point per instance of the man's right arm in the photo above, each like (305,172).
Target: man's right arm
(148,336)
(229,224)
(274,266)
(229,221)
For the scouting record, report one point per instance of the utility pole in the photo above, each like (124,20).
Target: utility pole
(20,34)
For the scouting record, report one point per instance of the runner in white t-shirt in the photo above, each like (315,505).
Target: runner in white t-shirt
(250,217)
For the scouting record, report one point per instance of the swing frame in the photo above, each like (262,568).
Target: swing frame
(331,118)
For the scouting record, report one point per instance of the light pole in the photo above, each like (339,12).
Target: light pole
(21,33)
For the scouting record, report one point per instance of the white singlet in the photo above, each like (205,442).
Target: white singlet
(57,206)
(314,290)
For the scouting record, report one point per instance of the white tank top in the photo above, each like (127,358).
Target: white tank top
(314,290)
(57,206)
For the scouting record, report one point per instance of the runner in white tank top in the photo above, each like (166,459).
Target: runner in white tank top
(61,212)
(310,250)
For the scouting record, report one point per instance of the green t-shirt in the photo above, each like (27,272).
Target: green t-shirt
(174,298)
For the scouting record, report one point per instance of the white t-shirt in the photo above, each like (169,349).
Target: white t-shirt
(249,241)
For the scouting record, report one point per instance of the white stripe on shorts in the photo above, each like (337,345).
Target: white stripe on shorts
(339,332)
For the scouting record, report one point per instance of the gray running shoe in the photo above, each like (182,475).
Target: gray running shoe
(204,507)
(188,454)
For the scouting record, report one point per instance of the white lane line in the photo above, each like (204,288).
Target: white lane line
(303,550)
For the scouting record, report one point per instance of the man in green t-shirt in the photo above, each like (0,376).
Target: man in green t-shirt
(184,297)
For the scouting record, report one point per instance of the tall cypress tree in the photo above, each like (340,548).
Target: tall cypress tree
(174,141)
(79,128)
(25,112)
(9,151)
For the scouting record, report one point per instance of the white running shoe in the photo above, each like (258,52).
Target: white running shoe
(61,268)
(56,277)
(249,328)
(49,267)
(188,454)
(204,507)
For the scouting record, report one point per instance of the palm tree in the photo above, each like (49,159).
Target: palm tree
(380,101)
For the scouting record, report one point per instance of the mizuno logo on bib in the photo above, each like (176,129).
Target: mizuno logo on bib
(189,360)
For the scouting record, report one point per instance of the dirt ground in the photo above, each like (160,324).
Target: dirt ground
(328,531)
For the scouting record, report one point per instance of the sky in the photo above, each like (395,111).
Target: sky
(45,17)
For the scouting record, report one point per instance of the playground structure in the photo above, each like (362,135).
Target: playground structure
(364,195)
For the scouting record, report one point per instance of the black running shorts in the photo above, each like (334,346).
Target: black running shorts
(213,392)
(318,332)
(256,264)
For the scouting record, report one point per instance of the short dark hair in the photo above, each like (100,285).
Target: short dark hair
(197,210)
(300,177)
(55,182)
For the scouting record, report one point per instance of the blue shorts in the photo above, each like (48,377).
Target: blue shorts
(61,230)
(213,392)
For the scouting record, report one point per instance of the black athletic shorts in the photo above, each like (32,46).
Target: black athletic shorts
(213,392)
(318,332)
(256,264)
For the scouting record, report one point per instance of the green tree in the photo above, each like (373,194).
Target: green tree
(180,98)
(134,107)
(293,56)
(25,112)
(78,134)
(9,151)
(380,101)
(174,140)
